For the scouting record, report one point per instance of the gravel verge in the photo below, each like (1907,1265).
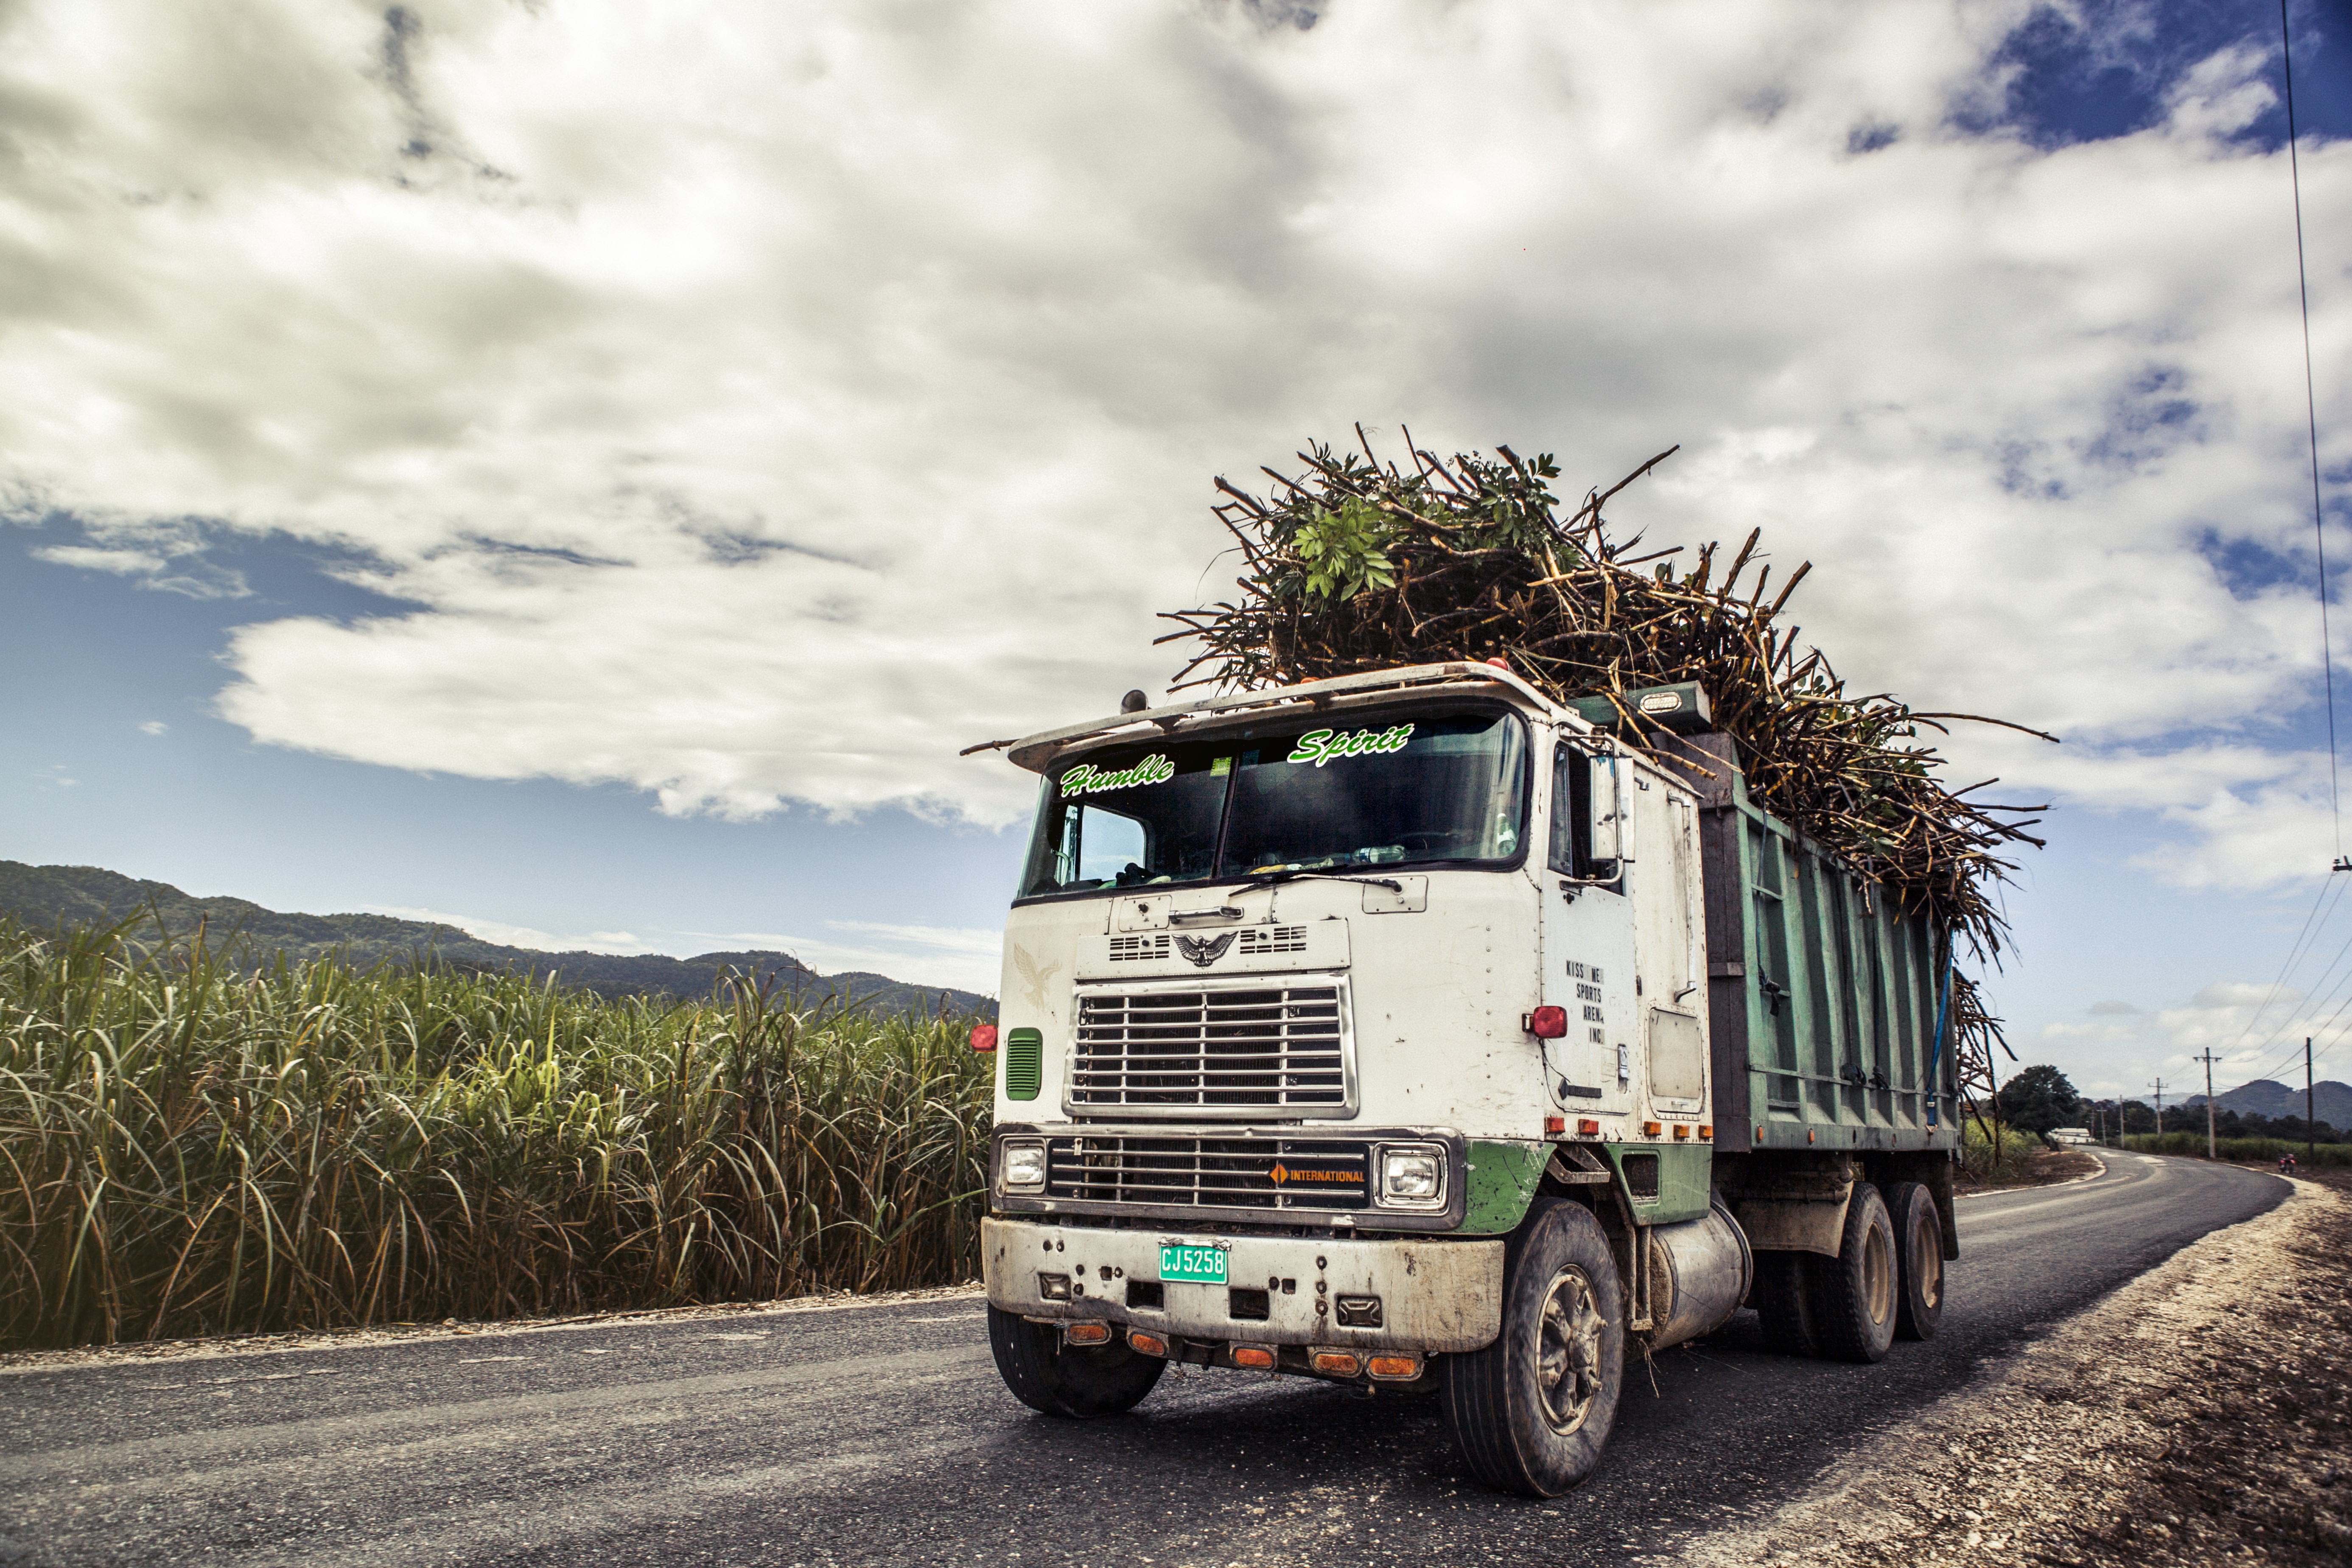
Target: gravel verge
(2200,1415)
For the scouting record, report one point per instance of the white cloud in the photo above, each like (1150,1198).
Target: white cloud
(507,935)
(152,727)
(123,562)
(760,402)
(2090,1034)
(177,571)
(2239,1020)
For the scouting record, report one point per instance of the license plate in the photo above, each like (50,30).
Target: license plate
(1192,1265)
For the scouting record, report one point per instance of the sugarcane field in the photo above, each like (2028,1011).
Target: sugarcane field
(1242,784)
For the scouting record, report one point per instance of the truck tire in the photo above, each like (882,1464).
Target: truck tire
(1854,1293)
(1074,1381)
(1531,1412)
(1783,1294)
(1919,1249)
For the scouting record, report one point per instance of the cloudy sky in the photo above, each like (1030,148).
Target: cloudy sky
(583,469)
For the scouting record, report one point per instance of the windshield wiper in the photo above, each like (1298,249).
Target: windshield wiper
(1268,878)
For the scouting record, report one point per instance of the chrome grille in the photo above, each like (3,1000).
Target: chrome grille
(1191,1048)
(1209,1173)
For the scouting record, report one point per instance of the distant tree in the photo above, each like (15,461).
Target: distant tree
(2253,1124)
(2040,1098)
(2137,1116)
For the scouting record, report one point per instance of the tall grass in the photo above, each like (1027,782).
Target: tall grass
(1983,1160)
(189,1147)
(2263,1149)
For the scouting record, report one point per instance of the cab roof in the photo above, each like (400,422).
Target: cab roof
(1036,752)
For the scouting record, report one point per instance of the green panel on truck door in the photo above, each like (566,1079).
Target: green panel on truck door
(1686,1180)
(1024,1063)
(1502,1182)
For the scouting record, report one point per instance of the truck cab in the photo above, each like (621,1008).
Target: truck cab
(1360,1030)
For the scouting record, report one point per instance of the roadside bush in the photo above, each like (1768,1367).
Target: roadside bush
(190,1148)
(2263,1150)
(1982,1162)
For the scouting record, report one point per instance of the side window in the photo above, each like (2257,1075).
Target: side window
(1110,847)
(1571,809)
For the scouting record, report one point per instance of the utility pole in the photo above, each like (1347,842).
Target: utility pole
(2159,1107)
(2207,1059)
(2310,1128)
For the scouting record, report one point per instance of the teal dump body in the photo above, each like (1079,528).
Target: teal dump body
(1826,995)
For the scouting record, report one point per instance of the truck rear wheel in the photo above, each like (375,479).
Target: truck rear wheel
(1074,1381)
(1919,1249)
(1531,1412)
(1854,1293)
(1783,1294)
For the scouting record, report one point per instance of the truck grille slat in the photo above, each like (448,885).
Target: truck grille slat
(1214,1172)
(1248,1045)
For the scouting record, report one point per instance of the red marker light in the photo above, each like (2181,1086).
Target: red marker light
(1555,1124)
(983,1036)
(1547,1023)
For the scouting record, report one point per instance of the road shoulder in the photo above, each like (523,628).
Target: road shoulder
(2202,1414)
(136,1351)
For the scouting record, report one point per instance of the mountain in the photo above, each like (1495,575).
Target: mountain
(2331,1101)
(51,896)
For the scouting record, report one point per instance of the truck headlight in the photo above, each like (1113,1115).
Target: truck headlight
(1412,1175)
(1021,1165)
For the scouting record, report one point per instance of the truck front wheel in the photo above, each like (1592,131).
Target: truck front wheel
(1074,1381)
(1531,1412)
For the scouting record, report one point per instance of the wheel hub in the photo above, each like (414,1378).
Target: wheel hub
(1568,1351)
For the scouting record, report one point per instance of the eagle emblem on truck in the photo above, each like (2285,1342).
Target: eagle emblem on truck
(1205,951)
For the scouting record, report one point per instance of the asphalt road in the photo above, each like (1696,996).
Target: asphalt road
(881,1435)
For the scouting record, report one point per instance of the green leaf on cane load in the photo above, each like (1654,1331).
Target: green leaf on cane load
(1345,552)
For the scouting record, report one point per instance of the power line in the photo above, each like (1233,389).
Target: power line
(2295,956)
(2311,420)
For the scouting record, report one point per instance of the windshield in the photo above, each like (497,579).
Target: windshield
(1385,791)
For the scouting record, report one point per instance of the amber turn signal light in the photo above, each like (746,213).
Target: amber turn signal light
(1334,1364)
(1652,1129)
(1705,1131)
(983,1036)
(1150,1344)
(1547,1022)
(1586,1126)
(1555,1124)
(1403,1368)
(1681,1130)
(1254,1355)
(1087,1335)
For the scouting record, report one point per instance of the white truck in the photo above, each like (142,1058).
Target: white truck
(1411,1031)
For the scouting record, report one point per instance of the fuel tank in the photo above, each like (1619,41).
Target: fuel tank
(1699,1273)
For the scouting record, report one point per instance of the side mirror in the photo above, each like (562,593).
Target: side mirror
(1606,835)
